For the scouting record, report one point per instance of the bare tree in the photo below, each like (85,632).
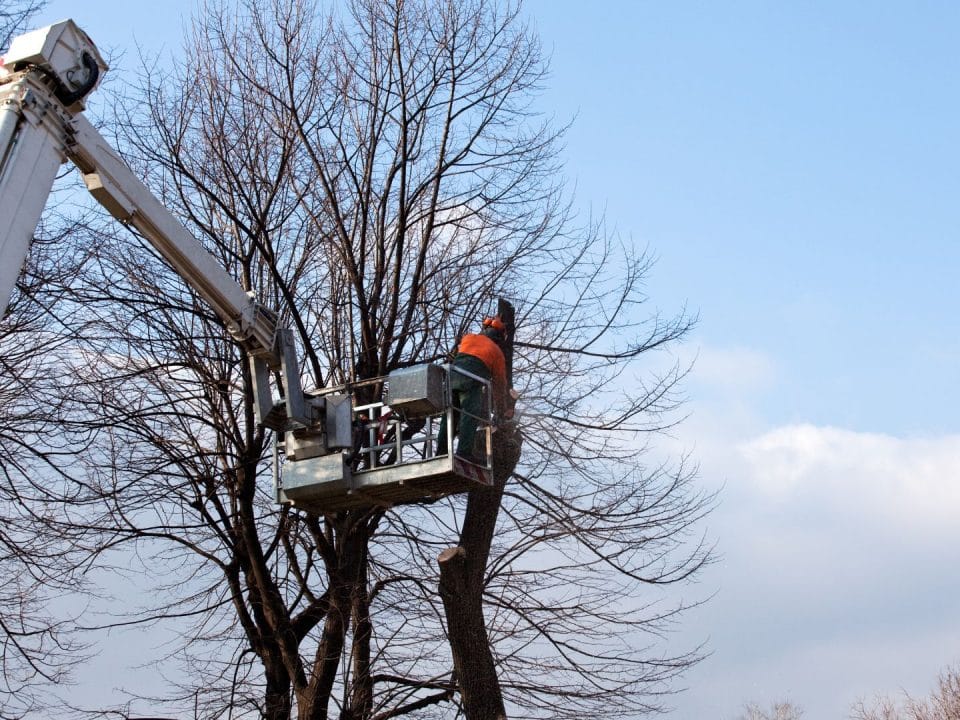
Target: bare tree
(14,18)
(943,703)
(777,711)
(380,177)
(37,647)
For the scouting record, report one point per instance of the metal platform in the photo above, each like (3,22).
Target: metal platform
(393,460)
(309,485)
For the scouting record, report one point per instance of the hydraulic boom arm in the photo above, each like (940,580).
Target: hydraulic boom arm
(337,456)
(44,78)
(115,187)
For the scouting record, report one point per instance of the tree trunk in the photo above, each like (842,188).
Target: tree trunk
(361,693)
(277,695)
(347,587)
(313,699)
(462,571)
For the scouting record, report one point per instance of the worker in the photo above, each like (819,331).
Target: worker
(481,355)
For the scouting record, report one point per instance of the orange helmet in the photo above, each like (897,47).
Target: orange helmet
(494,322)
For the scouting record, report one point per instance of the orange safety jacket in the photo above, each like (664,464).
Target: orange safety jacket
(490,354)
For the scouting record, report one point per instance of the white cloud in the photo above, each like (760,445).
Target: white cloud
(866,477)
(835,575)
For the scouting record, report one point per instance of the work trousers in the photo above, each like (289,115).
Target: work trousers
(469,405)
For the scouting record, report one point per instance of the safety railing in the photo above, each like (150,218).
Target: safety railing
(386,436)
(402,443)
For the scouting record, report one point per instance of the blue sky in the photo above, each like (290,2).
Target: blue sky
(793,165)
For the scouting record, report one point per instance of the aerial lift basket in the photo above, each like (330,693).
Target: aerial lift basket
(392,456)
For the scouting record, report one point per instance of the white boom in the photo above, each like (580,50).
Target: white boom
(339,456)
(44,78)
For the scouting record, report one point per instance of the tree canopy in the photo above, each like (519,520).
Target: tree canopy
(379,174)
